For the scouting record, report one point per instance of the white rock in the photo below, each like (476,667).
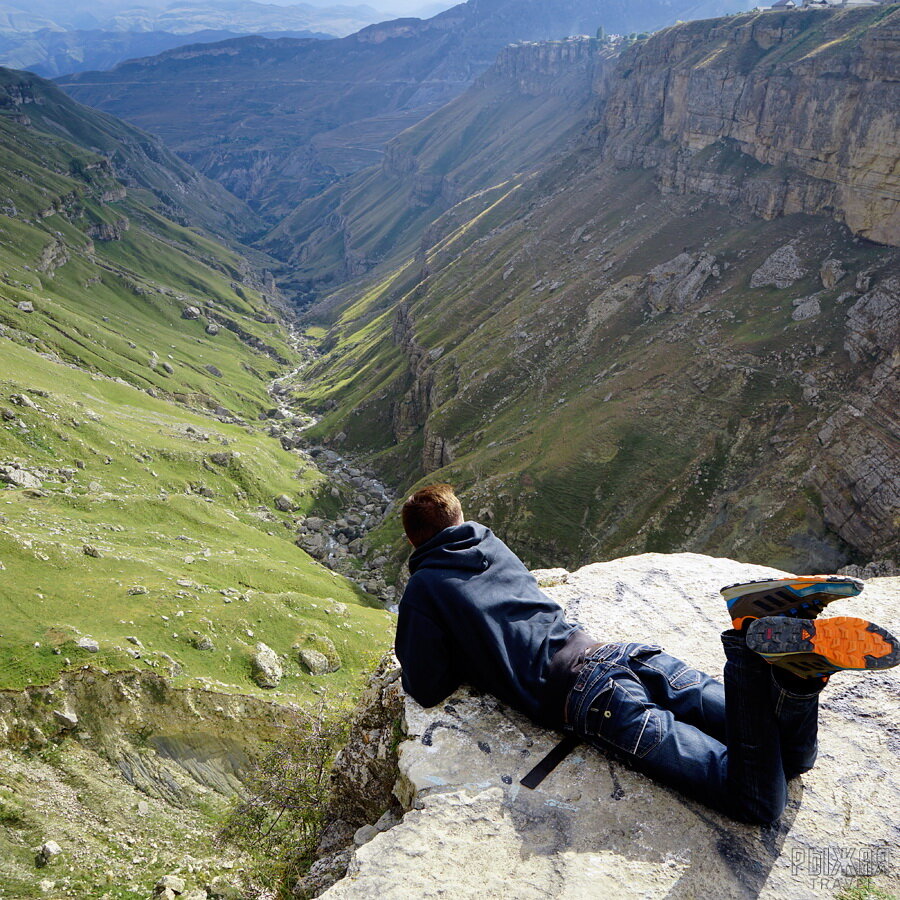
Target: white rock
(20,478)
(48,853)
(284,503)
(266,667)
(595,829)
(89,644)
(316,663)
(173,882)
(66,717)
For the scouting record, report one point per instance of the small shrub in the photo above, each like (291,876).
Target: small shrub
(281,818)
(864,890)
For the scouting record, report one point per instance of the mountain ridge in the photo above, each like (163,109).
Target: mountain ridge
(392,74)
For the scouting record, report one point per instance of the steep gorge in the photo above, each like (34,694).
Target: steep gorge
(654,337)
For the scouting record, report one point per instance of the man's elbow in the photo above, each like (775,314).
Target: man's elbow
(427,695)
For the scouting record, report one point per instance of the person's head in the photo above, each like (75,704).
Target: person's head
(429,511)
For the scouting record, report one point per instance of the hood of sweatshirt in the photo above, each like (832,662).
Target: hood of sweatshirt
(460,547)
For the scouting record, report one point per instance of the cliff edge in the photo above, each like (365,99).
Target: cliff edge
(596,829)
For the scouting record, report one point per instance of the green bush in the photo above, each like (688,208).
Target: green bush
(281,818)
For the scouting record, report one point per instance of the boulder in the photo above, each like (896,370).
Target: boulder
(780,269)
(830,273)
(48,853)
(19,478)
(173,883)
(89,644)
(212,329)
(806,308)
(25,306)
(284,503)
(266,667)
(676,284)
(215,372)
(66,718)
(315,662)
(595,828)
(90,550)
(191,312)
(314,544)
(23,400)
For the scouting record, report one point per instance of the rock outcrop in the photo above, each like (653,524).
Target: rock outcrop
(858,474)
(169,743)
(595,828)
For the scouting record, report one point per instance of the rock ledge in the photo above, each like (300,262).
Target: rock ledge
(596,829)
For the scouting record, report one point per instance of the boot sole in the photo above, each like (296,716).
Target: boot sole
(803,596)
(810,648)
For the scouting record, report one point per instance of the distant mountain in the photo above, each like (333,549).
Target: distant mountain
(234,16)
(51,52)
(277,121)
(58,46)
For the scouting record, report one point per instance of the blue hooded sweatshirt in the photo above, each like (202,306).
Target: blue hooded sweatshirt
(473,613)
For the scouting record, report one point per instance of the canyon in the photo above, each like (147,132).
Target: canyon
(660,325)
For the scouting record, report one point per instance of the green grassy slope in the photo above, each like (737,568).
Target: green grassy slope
(140,159)
(121,436)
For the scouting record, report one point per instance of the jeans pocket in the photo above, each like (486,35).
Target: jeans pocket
(623,720)
(678,673)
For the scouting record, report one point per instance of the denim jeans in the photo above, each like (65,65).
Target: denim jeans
(733,747)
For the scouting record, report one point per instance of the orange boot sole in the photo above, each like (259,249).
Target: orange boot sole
(809,648)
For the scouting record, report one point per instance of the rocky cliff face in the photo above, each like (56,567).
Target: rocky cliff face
(594,827)
(813,97)
(858,474)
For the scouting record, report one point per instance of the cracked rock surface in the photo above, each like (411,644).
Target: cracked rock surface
(596,829)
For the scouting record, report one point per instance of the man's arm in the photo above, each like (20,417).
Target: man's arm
(422,648)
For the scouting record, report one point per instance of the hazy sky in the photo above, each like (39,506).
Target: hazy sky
(65,8)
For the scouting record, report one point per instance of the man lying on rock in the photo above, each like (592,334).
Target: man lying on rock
(472,613)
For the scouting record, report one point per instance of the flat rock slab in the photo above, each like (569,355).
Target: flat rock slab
(595,829)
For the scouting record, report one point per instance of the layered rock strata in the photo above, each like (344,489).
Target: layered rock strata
(811,98)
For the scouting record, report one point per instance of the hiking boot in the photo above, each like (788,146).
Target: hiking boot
(801,596)
(809,648)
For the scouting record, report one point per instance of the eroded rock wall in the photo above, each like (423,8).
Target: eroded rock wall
(170,743)
(811,98)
